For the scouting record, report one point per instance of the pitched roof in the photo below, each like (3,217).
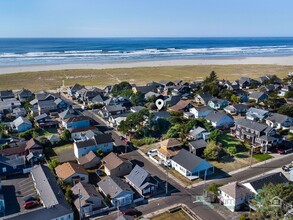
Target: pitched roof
(67,169)
(68,113)
(76,119)
(279,118)
(257,111)
(84,191)
(256,95)
(196,130)
(235,190)
(13,150)
(112,161)
(197,144)
(202,108)
(171,142)
(215,116)
(217,101)
(113,186)
(180,105)
(33,144)
(114,108)
(274,178)
(40,117)
(187,160)
(250,124)
(20,120)
(139,177)
(161,114)
(90,156)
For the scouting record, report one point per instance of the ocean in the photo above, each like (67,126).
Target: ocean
(44,51)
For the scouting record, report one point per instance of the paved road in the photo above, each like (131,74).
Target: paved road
(183,195)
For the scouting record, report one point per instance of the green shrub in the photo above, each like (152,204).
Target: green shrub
(143,141)
(232,150)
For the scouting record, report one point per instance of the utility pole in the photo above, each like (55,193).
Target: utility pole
(167,174)
(204,185)
(251,153)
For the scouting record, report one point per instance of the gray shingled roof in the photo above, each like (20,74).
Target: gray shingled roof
(113,186)
(250,124)
(215,116)
(198,144)
(20,120)
(278,118)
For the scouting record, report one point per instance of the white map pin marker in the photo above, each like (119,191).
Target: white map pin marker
(160,103)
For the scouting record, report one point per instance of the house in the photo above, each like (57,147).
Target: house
(76,122)
(256,114)
(219,119)
(279,121)
(258,183)
(54,139)
(6,94)
(256,133)
(123,101)
(13,102)
(149,95)
(79,133)
(203,98)
(136,109)
(17,112)
(44,120)
(118,191)
(171,100)
(115,120)
(182,105)
(72,173)
(46,106)
(201,111)
(68,113)
(86,199)
(61,104)
(89,160)
(234,195)
(197,147)
(142,181)
(243,95)
(198,133)
(160,115)
(236,109)
(21,124)
(245,82)
(258,96)
(109,110)
(284,90)
(11,165)
(144,89)
(101,141)
(116,165)
(166,83)
(33,146)
(72,90)
(168,148)
(217,104)
(190,165)
(98,99)
(23,95)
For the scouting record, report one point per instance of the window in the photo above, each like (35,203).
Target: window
(4,169)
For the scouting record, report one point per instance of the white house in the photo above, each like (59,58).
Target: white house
(234,195)
(21,124)
(279,121)
(102,142)
(198,133)
(190,165)
(201,111)
(219,119)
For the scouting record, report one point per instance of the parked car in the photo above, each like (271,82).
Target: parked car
(151,152)
(100,172)
(167,163)
(30,204)
(131,212)
(286,168)
(29,198)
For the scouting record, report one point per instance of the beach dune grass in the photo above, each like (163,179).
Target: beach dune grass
(138,75)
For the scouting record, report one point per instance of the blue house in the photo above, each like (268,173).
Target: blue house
(76,122)
(11,166)
(21,124)
(216,103)
(61,104)
(258,96)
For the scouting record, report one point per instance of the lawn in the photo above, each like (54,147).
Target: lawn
(101,77)
(262,157)
(55,152)
(179,215)
(227,140)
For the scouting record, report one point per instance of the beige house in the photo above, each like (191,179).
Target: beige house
(70,172)
(116,165)
(89,160)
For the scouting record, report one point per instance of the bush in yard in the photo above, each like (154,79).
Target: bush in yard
(53,164)
(213,151)
(232,150)
(99,153)
(215,135)
(65,136)
(143,141)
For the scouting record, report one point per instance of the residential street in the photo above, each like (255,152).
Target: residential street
(183,195)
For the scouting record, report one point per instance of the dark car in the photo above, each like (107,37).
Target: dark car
(30,204)
(29,198)
(131,212)
(100,172)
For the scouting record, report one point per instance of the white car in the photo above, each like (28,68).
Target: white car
(152,152)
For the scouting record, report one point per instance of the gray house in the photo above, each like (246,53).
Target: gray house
(279,121)
(21,124)
(256,114)
(119,192)
(258,96)
(142,181)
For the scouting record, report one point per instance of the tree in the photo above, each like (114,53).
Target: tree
(214,188)
(69,195)
(235,98)
(266,195)
(100,153)
(65,136)
(289,95)
(52,164)
(189,125)
(213,151)
(162,126)
(226,94)
(286,110)
(232,150)
(137,99)
(122,89)
(215,135)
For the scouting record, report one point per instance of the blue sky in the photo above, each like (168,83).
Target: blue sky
(145,18)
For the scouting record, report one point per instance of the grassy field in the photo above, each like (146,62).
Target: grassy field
(141,75)
(262,157)
(179,215)
(55,152)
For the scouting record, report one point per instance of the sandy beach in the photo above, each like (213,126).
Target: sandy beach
(283,61)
